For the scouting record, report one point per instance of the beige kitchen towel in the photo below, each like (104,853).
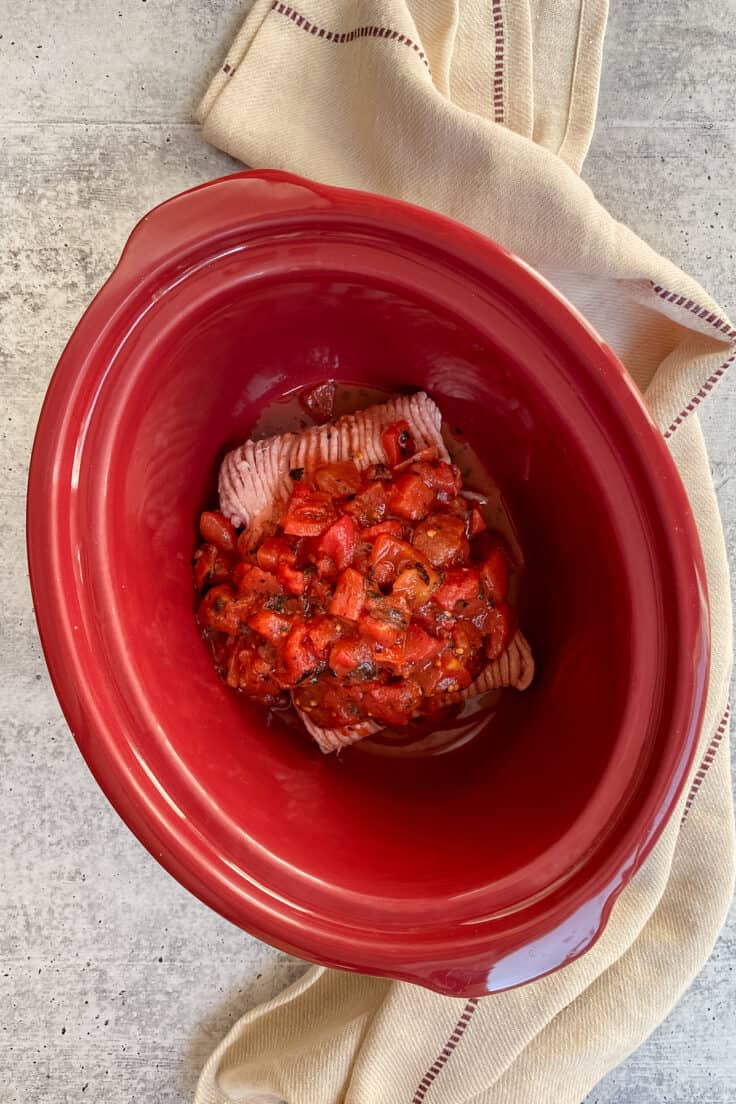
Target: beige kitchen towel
(483,110)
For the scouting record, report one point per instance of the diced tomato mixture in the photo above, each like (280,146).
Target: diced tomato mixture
(378,595)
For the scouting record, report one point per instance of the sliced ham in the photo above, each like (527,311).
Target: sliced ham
(333,739)
(257,478)
(514,668)
(254,478)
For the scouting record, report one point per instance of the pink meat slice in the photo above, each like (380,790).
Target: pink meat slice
(333,739)
(514,667)
(255,483)
(254,478)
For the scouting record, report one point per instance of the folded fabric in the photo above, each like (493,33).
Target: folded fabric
(484,111)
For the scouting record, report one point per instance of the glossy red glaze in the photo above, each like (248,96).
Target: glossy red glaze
(472,871)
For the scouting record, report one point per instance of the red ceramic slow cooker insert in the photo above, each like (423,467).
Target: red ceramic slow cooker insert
(469,871)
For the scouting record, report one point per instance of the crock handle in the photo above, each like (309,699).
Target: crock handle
(176,230)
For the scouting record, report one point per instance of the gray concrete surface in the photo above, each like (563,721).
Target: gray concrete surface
(114,983)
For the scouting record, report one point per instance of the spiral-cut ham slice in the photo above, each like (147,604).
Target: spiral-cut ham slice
(333,739)
(254,479)
(514,667)
(257,479)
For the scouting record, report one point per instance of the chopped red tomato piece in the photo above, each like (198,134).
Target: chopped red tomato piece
(383,574)
(494,575)
(320,591)
(392,656)
(392,549)
(255,673)
(441,538)
(349,596)
(361,559)
(476,612)
(338,542)
(211,566)
(398,442)
(291,578)
(381,630)
(444,479)
(443,680)
(498,630)
(222,610)
(216,529)
(368,506)
(323,632)
(320,401)
(429,679)
(420,646)
(433,619)
(251,580)
(274,551)
(273,626)
(385,620)
(308,513)
(298,656)
(326,567)
(387,555)
(424,456)
(416,582)
(395,703)
(378,471)
(338,479)
(461,584)
(331,702)
(457,675)
(390,527)
(466,640)
(410,497)
(352,656)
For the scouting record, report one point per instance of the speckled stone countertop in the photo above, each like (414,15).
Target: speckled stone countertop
(114,983)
